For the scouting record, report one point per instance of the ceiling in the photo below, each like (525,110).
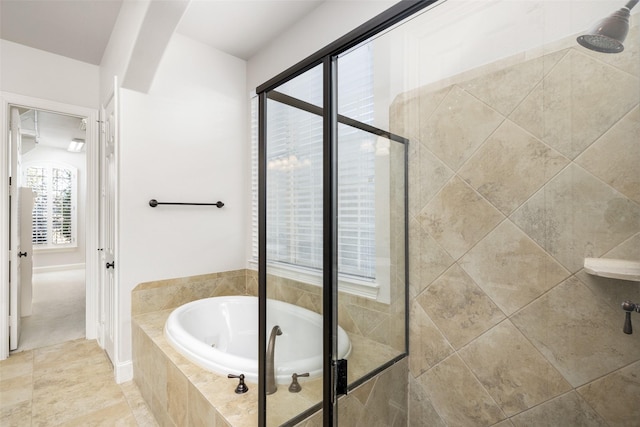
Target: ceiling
(242,28)
(80,29)
(47,129)
(71,28)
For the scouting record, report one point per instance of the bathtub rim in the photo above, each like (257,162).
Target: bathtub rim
(249,366)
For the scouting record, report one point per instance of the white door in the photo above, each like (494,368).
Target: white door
(15,249)
(26,244)
(108,224)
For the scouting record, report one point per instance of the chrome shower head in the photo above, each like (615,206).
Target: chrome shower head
(608,34)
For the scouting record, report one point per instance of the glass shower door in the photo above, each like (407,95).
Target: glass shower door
(294,249)
(333,243)
(371,220)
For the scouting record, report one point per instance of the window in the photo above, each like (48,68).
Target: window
(54,212)
(294,163)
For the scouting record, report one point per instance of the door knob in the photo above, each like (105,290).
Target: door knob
(111,264)
(21,254)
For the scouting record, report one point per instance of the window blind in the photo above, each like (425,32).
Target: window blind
(294,172)
(37,179)
(54,204)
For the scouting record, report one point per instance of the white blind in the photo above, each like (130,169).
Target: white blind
(294,172)
(254,178)
(54,205)
(294,186)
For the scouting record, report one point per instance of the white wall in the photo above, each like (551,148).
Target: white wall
(184,141)
(118,51)
(325,24)
(39,74)
(27,76)
(77,160)
(188,140)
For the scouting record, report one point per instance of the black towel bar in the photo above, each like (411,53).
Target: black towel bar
(153,203)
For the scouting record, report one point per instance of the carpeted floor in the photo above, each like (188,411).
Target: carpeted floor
(58,310)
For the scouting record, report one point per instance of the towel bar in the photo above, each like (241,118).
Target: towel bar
(153,203)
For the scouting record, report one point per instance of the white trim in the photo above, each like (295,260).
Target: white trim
(4,231)
(123,372)
(6,99)
(58,249)
(62,267)
(92,229)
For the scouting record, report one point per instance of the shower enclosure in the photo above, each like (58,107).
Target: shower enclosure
(333,223)
(335,231)
(517,148)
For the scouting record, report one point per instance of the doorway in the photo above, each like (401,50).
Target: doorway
(52,173)
(64,233)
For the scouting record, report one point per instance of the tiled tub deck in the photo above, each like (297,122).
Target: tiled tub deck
(180,393)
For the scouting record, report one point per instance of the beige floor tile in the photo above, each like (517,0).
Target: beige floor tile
(118,415)
(69,354)
(71,384)
(17,415)
(136,403)
(66,401)
(18,365)
(15,390)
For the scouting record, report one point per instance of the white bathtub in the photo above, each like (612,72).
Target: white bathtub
(221,334)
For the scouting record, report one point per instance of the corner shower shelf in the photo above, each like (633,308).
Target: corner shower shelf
(613,268)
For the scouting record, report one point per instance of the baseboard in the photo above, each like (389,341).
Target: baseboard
(124,372)
(64,267)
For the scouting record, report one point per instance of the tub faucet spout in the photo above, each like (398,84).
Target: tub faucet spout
(271,372)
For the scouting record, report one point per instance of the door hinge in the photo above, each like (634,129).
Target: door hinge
(341,376)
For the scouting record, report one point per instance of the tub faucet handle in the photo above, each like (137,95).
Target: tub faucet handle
(295,386)
(629,307)
(242,387)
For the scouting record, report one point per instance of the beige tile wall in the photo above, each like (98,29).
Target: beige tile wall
(377,335)
(175,398)
(171,293)
(517,175)
(381,401)
(376,321)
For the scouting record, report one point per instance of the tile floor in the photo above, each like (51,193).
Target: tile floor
(68,384)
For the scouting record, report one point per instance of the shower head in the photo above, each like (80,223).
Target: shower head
(608,34)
